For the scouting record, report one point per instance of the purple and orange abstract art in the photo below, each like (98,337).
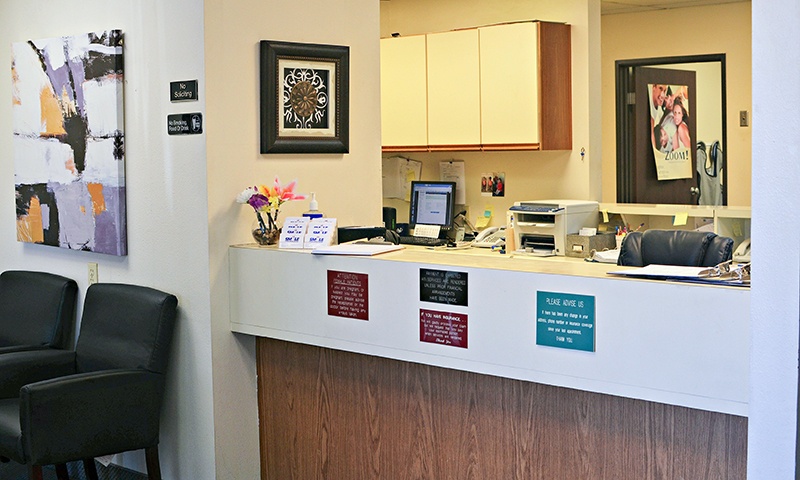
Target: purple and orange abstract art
(69,149)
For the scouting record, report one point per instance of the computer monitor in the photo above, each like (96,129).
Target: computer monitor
(432,203)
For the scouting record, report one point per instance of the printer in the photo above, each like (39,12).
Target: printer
(541,226)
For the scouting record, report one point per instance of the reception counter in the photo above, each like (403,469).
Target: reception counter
(480,311)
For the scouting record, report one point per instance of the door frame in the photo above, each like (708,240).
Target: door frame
(625,118)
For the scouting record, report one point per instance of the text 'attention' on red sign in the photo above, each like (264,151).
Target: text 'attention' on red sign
(348,295)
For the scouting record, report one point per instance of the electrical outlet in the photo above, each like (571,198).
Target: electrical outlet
(92,273)
(744,118)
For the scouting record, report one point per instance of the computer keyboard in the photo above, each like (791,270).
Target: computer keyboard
(423,241)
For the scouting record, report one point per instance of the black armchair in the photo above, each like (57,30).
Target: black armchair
(674,247)
(103,398)
(37,310)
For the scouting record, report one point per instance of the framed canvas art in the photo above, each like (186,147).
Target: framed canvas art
(69,141)
(304,98)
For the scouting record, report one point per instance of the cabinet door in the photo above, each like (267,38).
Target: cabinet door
(403,92)
(454,89)
(509,68)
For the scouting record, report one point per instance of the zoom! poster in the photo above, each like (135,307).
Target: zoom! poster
(669,130)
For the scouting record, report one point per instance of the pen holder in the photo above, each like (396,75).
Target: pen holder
(619,239)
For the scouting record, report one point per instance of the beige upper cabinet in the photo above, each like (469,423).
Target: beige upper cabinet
(454,108)
(526,86)
(404,101)
(500,87)
(509,84)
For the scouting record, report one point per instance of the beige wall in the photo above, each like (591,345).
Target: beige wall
(687,31)
(347,186)
(529,175)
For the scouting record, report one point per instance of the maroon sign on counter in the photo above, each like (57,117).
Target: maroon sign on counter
(348,295)
(444,328)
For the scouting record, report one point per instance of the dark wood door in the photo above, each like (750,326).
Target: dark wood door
(662,170)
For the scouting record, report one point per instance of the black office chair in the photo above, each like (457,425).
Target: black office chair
(674,247)
(104,397)
(37,310)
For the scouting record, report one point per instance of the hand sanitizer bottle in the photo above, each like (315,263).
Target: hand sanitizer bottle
(313,208)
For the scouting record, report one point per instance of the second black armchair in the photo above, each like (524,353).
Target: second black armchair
(101,399)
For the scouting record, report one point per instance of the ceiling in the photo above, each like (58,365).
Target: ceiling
(612,7)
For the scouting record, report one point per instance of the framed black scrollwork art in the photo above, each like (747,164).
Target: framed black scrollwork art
(304,98)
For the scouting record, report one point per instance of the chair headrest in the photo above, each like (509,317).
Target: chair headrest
(125,326)
(674,247)
(36,308)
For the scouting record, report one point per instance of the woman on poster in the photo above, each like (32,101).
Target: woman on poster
(681,138)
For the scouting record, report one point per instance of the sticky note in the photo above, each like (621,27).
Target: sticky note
(680,219)
(605,215)
(482,222)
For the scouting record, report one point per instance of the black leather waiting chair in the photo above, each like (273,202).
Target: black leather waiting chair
(674,247)
(37,310)
(102,398)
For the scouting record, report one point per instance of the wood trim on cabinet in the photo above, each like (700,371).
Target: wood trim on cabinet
(504,147)
(456,148)
(555,102)
(401,148)
(496,147)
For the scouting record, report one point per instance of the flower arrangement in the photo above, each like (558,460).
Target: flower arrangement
(267,201)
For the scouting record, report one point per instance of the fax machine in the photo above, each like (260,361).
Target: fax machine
(541,226)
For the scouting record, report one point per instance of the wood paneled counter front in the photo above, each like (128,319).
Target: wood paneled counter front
(673,343)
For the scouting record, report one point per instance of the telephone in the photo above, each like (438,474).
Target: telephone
(742,253)
(490,237)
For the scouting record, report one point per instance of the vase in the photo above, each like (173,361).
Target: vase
(264,235)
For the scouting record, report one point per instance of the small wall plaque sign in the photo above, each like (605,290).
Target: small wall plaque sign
(183,91)
(185,124)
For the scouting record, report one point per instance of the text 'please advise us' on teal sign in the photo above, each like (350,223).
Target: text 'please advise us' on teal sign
(565,320)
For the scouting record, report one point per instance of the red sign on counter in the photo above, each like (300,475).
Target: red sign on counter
(348,295)
(444,328)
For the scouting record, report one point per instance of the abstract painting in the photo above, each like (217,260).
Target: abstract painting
(69,148)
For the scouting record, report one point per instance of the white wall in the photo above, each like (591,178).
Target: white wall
(775,307)
(348,186)
(166,182)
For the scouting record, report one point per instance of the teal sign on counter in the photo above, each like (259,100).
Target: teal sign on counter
(565,320)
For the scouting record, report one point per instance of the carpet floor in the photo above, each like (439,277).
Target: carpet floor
(15,471)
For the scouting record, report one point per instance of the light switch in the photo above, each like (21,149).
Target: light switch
(92,273)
